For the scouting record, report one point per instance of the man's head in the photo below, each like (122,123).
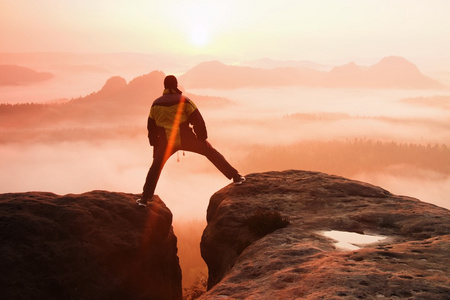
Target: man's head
(170,82)
(171,85)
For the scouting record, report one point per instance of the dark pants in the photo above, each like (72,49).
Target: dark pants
(202,147)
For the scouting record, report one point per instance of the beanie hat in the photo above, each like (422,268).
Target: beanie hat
(170,82)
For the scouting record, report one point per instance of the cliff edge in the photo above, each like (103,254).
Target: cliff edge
(96,245)
(301,259)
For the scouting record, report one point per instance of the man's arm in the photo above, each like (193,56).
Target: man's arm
(152,131)
(196,119)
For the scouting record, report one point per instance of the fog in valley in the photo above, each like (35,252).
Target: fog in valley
(356,134)
(395,138)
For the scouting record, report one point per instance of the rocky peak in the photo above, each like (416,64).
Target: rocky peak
(96,245)
(114,84)
(301,261)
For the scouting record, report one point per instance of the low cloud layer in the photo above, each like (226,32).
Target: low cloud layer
(256,130)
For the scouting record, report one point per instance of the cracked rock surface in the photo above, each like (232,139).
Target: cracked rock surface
(300,262)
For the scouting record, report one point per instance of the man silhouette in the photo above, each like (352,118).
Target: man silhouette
(169,130)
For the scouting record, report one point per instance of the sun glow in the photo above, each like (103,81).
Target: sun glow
(202,21)
(199,36)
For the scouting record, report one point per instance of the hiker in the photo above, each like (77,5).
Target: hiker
(169,130)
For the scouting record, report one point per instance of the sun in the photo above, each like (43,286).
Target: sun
(202,22)
(199,36)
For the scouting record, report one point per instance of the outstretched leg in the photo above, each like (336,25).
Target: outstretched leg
(203,147)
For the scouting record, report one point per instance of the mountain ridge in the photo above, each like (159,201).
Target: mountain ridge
(389,72)
(12,75)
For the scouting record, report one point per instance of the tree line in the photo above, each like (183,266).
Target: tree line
(348,157)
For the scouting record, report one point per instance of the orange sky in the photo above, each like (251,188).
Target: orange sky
(323,30)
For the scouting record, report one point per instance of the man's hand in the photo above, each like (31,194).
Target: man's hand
(149,140)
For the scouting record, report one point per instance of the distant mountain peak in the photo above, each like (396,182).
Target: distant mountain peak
(210,64)
(18,75)
(396,62)
(269,63)
(394,59)
(113,84)
(349,67)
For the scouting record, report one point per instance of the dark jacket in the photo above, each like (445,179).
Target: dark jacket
(169,119)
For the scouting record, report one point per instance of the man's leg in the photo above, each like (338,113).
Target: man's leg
(206,149)
(153,174)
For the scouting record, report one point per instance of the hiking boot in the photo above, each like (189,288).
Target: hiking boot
(238,179)
(141,202)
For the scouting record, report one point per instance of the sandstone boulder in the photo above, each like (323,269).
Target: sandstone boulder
(410,260)
(97,245)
